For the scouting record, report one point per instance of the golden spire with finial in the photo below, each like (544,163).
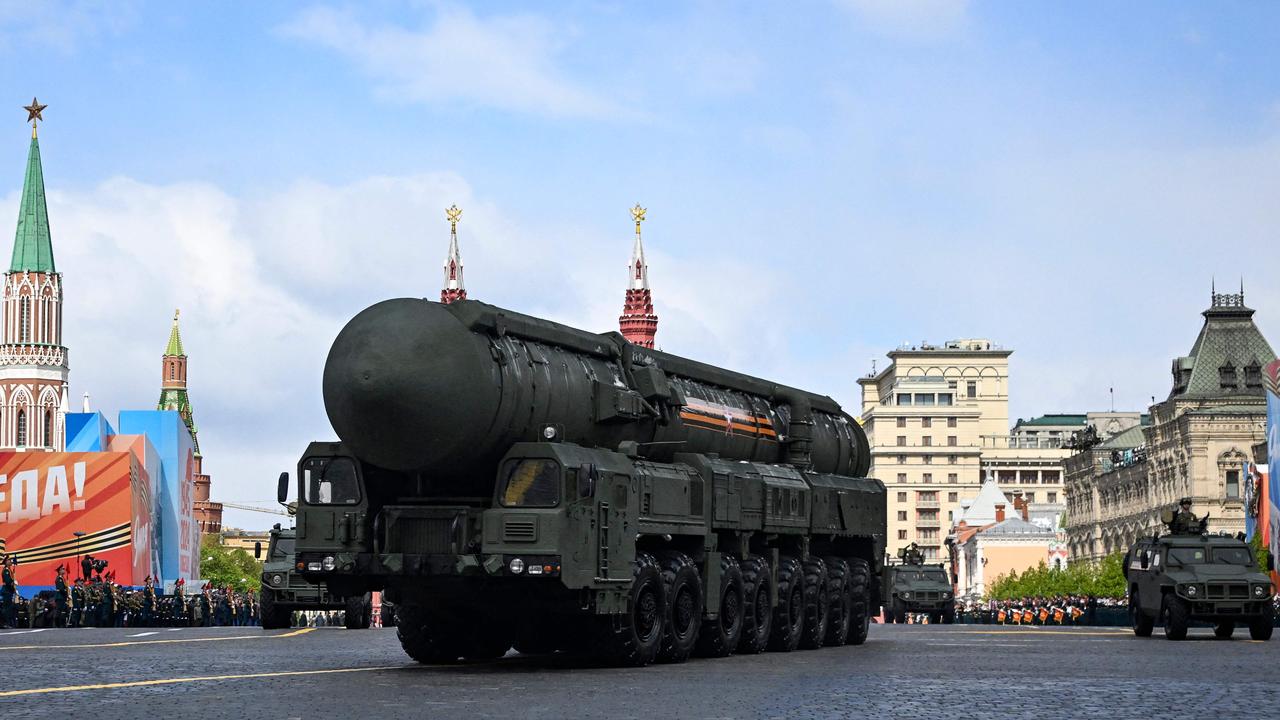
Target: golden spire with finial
(637,212)
(453,212)
(33,114)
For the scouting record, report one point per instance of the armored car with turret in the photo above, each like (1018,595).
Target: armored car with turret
(510,481)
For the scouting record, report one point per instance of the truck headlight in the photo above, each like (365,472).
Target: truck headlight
(1259,591)
(906,596)
(277,579)
(328,563)
(516,566)
(946,595)
(1190,590)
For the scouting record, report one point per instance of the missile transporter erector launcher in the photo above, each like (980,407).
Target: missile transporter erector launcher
(508,481)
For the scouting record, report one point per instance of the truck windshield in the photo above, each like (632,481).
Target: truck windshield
(1186,556)
(330,481)
(531,483)
(1232,556)
(282,549)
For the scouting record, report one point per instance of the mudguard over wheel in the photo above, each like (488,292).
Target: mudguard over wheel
(757,616)
(359,612)
(840,601)
(633,638)
(683,616)
(719,637)
(788,614)
(1261,626)
(425,636)
(859,583)
(1177,616)
(273,617)
(1142,623)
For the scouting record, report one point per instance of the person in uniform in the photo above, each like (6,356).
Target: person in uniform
(62,598)
(78,600)
(107,608)
(206,606)
(9,593)
(1184,521)
(148,602)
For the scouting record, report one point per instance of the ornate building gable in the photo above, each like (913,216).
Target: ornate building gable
(1228,356)
(33,362)
(638,323)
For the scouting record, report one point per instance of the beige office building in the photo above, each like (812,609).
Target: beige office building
(937,418)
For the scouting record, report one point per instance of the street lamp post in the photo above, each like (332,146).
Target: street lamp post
(79,534)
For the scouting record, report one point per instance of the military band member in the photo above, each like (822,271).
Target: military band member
(63,598)
(78,600)
(148,602)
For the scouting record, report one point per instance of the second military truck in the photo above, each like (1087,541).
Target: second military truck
(510,481)
(284,590)
(914,588)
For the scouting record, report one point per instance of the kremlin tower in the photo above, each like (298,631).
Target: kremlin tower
(638,323)
(173,396)
(33,361)
(453,289)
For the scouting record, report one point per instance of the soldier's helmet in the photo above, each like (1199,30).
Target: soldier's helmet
(1185,501)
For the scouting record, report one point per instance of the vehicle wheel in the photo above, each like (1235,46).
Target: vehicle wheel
(841,601)
(633,638)
(425,636)
(949,614)
(757,616)
(719,637)
(859,583)
(1176,617)
(1142,623)
(1224,629)
(788,614)
(817,604)
(1261,627)
(272,616)
(486,642)
(683,616)
(888,616)
(359,612)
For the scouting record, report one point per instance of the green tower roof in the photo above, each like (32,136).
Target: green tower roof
(32,248)
(175,339)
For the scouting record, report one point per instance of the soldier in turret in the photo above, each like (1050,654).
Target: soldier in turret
(912,555)
(1184,521)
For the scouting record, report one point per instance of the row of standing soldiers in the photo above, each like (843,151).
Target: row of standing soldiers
(100,602)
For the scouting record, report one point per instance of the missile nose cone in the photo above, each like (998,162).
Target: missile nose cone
(404,384)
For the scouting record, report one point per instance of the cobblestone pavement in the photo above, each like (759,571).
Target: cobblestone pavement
(902,671)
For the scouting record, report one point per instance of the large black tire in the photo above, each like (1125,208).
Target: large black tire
(859,583)
(840,601)
(1142,623)
(788,614)
(273,617)
(1177,617)
(1261,627)
(817,604)
(1224,629)
(683,619)
(426,637)
(359,612)
(486,640)
(633,638)
(720,637)
(757,616)
(949,614)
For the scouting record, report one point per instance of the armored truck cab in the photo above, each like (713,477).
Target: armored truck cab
(917,588)
(284,589)
(511,481)
(1178,578)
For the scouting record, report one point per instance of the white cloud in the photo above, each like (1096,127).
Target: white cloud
(507,62)
(61,26)
(917,20)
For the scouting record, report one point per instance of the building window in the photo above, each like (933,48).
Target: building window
(924,398)
(927,441)
(928,477)
(902,441)
(24,322)
(944,399)
(1049,477)
(902,497)
(1253,376)
(902,534)
(951,422)
(1227,376)
(952,441)
(172,369)
(902,459)
(953,459)
(48,428)
(902,422)
(925,497)
(926,422)
(902,477)
(1233,484)
(1053,497)
(953,497)
(971,389)
(22,428)
(1031,497)
(928,459)
(953,477)
(902,515)
(904,399)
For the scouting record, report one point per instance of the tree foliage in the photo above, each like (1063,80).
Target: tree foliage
(227,567)
(1101,579)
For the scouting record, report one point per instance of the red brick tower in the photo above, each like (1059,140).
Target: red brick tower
(638,322)
(454,288)
(173,396)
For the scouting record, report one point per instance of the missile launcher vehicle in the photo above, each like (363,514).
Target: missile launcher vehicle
(510,481)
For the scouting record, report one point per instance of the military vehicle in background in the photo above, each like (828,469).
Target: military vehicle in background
(284,589)
(1189,575)
(915,588)
(510,481)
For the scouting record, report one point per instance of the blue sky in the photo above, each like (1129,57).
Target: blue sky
(825,180)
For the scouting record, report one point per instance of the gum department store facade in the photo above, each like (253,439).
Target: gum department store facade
(1194,445)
